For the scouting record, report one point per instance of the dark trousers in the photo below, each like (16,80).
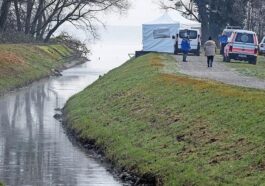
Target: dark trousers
(222,48)
(185,56)
(210,61)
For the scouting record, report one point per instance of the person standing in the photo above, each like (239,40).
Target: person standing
(210,50)
(185,48)
(223,39)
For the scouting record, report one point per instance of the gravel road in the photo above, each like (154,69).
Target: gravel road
(197,67)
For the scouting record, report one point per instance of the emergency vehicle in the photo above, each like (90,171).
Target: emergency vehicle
(242,45)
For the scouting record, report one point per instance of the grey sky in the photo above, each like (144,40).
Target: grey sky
(140,12)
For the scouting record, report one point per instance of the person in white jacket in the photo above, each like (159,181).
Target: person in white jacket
(210,51)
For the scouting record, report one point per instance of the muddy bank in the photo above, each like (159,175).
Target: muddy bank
(22,64)
(122,173)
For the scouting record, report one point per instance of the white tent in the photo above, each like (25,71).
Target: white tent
(184,22)
(159,35)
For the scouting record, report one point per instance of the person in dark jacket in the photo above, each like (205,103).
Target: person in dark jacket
(185,48)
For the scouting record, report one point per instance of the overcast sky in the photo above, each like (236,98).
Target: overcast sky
(141,11)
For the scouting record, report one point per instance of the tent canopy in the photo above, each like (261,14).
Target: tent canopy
(164,19)
(159,35)
(174,18)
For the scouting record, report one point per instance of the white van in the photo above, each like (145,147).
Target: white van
(194,37)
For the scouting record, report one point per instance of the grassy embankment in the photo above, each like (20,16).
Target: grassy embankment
(24,63)
(182,130)
(248,69)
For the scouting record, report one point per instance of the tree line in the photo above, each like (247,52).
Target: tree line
(39,19)
(215,15)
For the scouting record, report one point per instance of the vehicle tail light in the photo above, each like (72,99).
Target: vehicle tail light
(255,51)
(230,48)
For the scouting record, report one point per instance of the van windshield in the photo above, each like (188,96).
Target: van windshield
(244,38)
(191,33)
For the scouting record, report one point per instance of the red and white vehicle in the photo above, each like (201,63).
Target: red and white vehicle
(242,45)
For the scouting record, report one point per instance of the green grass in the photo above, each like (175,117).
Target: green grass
(248,69)
(23,63)
(182,130)
(56,51)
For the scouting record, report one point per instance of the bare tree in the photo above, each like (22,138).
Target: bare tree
(41,18)
(18,15)
(5,7)
(256,16)
(186,8)
(195,9)
(214,15)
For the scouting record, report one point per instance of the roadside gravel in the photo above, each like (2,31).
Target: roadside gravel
(197,67)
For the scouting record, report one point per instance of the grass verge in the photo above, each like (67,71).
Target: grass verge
(181,130)
(249,69)
(24,63)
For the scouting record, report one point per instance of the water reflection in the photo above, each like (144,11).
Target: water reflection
(34,149)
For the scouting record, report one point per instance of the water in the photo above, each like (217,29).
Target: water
(34,149)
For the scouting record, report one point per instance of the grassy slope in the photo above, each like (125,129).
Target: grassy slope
(185,131)
(250,70)
(22,63)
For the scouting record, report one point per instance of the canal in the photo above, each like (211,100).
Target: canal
(34,148)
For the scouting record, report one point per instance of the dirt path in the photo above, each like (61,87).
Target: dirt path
(197,67)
